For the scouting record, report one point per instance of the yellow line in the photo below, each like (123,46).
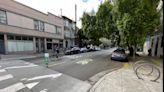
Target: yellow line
(158,62)
(125,65)
(56,64)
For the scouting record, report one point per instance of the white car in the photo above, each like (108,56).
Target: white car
(84,49)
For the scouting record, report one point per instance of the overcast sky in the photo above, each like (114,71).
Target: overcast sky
(67,6)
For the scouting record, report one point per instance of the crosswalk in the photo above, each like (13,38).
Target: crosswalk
(4,76)
(9,83)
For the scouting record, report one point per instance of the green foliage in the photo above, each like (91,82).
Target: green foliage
(99,25)
(137,19)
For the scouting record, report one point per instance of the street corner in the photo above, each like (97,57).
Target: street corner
(126,66)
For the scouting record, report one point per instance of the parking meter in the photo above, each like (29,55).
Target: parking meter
(46,59)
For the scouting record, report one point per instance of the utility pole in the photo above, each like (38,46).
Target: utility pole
(60,12)
(75,16)
(75,22)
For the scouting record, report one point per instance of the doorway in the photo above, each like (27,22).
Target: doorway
(2,47)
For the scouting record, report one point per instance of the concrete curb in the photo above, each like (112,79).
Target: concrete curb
(92,89)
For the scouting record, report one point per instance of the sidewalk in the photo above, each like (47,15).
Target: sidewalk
(125,80)
(23,56)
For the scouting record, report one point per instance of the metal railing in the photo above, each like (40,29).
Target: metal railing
(150,69)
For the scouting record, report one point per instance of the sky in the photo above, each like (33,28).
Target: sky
(67,7)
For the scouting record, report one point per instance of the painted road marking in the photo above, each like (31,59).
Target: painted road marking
(44,90)
(45,76)
(85,61)
(26,66)
(126,65)
(13,88)
(2,70)
(31,85)
(56,64)
(5,77)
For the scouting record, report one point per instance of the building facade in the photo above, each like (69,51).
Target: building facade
(69,32)
(26,30)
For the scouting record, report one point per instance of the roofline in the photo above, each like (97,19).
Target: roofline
(35,9)
(68,19)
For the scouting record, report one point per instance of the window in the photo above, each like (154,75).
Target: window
(18,37)
(39,25)
(49,46)
(10,37)
(24,38)
(58,31)
(30,39)
(3,18)
(36,24)
(55,29)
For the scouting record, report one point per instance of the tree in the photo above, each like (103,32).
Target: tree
(90,29)
(104,20)
(136,20)
(100,24)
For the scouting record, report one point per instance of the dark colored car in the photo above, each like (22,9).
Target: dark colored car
(119,55)
(73,50)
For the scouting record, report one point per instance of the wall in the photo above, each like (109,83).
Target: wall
(17,20)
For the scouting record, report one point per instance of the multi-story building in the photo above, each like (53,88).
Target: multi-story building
(69,32)
(26,30)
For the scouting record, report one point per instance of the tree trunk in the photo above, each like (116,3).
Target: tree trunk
(134,52)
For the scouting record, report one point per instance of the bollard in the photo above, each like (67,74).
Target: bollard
(46,59)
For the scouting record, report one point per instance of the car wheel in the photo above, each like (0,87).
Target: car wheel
(71,52)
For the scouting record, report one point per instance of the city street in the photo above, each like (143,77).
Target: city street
(81,66)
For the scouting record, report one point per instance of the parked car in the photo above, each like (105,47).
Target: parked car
(84,49)
(72,50)
(119,55)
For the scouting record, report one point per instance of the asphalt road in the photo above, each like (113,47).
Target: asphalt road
(82,66)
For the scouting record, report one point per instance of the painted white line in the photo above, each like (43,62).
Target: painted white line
(45,76)
(5,77)
(56,64)
(13,88)
(26,66)
(31,85)
(2,70)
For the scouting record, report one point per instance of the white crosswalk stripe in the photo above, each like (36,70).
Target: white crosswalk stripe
(5,77)
(13,88)
(2,70)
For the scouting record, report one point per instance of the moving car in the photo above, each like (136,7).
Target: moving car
(119,55)
(72,50)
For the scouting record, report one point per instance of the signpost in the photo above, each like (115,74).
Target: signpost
(46,59)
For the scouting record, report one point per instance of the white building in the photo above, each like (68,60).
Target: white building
(69,32)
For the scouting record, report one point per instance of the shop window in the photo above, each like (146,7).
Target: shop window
(49,46)
(10,37)
(30,38)
(24,38)
(18,38)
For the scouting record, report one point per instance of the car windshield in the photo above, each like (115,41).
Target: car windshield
(120,51)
